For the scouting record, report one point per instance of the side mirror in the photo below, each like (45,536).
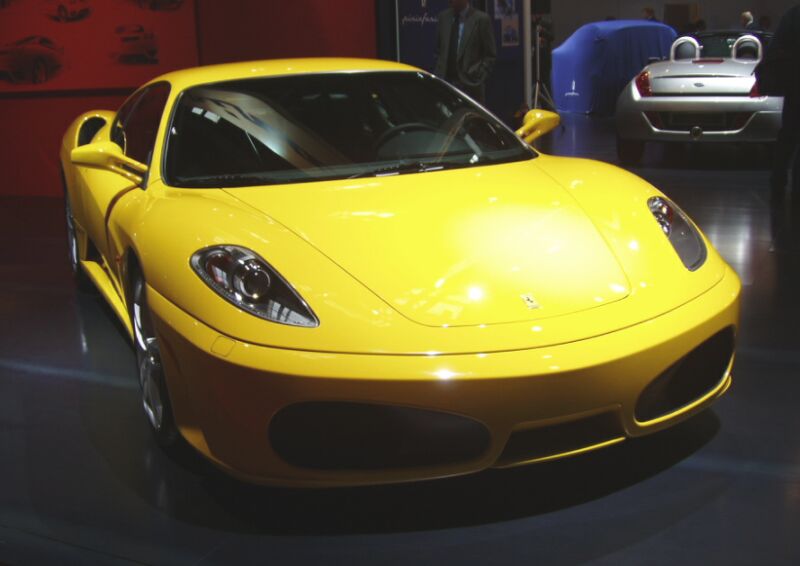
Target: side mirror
(537,123)
(109,157)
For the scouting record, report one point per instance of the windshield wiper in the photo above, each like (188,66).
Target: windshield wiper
(403,168)
(228,180)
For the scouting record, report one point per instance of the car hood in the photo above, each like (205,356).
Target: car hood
(475,246)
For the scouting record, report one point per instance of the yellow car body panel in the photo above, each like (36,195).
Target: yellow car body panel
(225,392)
(518,295)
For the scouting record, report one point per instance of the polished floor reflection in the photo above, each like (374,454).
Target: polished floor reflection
(82,482)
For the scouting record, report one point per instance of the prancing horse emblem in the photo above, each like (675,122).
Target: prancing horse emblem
(530,302)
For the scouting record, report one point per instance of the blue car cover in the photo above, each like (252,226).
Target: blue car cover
(595,63)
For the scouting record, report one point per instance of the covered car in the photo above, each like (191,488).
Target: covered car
(595,63)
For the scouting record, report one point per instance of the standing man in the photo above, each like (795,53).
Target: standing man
(786,45)
(649,14)
(748,21)
(545,47)
(465,48)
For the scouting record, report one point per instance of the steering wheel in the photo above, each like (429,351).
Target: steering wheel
(452,126)
(400,128)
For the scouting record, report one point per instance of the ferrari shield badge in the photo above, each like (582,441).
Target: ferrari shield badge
(530,302)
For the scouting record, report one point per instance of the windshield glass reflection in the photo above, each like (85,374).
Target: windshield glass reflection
(329,126)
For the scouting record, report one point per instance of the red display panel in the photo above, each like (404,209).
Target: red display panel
(60,45)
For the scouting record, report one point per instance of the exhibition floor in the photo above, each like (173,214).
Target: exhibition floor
(82,482)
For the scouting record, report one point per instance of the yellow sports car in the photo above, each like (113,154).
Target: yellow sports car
(341,272)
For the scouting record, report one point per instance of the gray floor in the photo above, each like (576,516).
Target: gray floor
(82,482)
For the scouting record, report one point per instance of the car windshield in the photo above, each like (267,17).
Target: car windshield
(329,126)
(721,44)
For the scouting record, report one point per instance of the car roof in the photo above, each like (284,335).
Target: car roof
(186,78)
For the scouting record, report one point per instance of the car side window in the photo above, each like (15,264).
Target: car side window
(137,122)
(117,129)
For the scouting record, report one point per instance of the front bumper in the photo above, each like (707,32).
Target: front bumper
(755,120)
(226,394)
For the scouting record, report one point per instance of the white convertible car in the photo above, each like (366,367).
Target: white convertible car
(705,92)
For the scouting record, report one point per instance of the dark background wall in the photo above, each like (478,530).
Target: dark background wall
(31,125)
(262,29)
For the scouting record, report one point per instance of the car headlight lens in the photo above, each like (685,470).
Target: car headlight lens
(681,233)
(250,283)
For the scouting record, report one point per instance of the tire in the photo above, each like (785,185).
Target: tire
(155,396)
(82,281)
(629,152)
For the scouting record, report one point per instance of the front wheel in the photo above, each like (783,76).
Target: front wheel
(73,252)
(155,397)
(629,152)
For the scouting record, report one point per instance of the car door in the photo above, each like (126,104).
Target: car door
(134,129)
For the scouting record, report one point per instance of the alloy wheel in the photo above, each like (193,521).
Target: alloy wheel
(151,373)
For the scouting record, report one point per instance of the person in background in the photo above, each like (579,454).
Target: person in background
(649,14)
(748,22)
(786,44)
(465,48)
(545,46)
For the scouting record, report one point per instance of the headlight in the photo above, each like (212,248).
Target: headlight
(251,284)
(680,231)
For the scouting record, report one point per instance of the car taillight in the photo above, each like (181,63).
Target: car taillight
(643,84)
(754,92)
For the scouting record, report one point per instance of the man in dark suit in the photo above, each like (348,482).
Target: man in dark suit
(465,48)
(649,14)
(786,44)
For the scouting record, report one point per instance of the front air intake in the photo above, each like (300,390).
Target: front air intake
(688,380)
(361,436)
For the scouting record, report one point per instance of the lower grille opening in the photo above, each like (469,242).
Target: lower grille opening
(359,436)
(559,438)
(687,380)
(708,121)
